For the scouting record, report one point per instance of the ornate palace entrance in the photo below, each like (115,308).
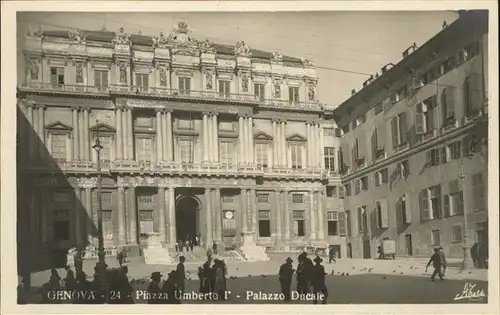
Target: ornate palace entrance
(186,218)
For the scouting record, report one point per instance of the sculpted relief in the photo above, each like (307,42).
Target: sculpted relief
(33,69)
(244,82)
(121,38)
(123,72)
(242,49)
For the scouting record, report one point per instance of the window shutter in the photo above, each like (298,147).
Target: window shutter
(384,214)
(346,158)
(145,81)
(444,154)
(374,144)
(424,205)
(420,123)
(407,208)
(394,131)
(402,128)
(53,76)
(430,119)
(446,205)
(357,186)
(360,220)
(97,78)
(449,102)
(342,224)
(353,157)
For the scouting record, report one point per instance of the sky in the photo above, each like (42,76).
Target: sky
(354,41)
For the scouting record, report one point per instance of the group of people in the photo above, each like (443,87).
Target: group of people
(187,244)
(310,278)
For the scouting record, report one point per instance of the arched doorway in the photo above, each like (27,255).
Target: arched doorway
(186,218)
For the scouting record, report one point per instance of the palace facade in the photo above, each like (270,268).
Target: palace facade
(227,142)
(414,159)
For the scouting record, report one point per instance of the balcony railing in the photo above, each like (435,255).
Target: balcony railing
(171,93)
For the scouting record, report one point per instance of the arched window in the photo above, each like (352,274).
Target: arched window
(472,94)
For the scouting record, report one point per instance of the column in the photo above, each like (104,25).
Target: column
(215,134)
(277,161)
(243,199)
(321,147)
(245,141)
(308,145)
(321,233)
(89,222)
(286,214)
(317,144)
(208,216)
(74,134)
(273,162)
(132,215)
(159,140)
(170,155)
(171,215)
(161,213)
(210,136)
(119,134)
(41,130)
(250,140)
(313,145)
(278,206)
(163,122)
(284,155)
(121,215)
(206,138)
(130,134)
(218,216)
(77,216)
(241,140)
(86,138)
(125,135)
(312,214)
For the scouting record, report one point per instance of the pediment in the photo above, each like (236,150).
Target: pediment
(262,136)
(58,126)
(296,137)
(102,128)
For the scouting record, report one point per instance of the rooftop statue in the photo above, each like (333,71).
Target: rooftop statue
(121,38)
(242,49)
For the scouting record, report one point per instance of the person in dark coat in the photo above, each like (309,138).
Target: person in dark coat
(318,280)
(214,248)
(120,256)
(303,273)
(200,277)
(443,260)
(170,288)
(78,261)
(191,244)
(155,287)
(70,281)
(207,277)
(285,278)
(124,287)
(177,247)
(181,274)
(474,254)
(55,280)
(331,256)
(219,274)
(83,285)
(482,253)
(436,263)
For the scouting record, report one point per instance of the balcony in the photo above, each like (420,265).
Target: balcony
(179,94)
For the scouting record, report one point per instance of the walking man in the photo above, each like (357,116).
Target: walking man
(120,256)
(318,281)
(436,263)
(214,247)
(285,277)
(181,275)
(474,255)
(331,256)
(443,260)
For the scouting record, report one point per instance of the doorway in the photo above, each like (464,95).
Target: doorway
(349,250)
(366,250)
(408,245)
(186,218)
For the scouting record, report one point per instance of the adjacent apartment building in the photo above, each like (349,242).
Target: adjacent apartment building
(195,138)
(414,147)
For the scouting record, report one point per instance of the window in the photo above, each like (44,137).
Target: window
(433,158)
(144,149)
(403,209)
(61,225)
(328,132)
(58,146)
(263,198)
(472,50)
(472,94)
(187,124)
(259,90)
(264,223)
(330,158)
(398,128)
(362,220)
(456,234)
(105,153)
(379,107)
(382,215)
(381,177)
(452,151)
(146,222)
(333,223)
(142,121)
(430,203)
(377,148)
(296,152)
(435,238)
(184,86)
(61,197)
(298,223)
(430,76)
(142,82)
(146,199)
(57,77)
(357,186)
(226,152)
(107,224)
(453,203)
(446,66)
(364,183)
(347,189)
(331,191)
(424,117)
(293,94)
(448,105)
(338,132)
(479,192)
(261,154)
(401,93)
(106,197)
(298,198)
(359,120)
(101,80)
(224,88)
(186,151)
(227,199)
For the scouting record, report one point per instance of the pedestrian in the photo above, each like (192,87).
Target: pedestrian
(78,259)
(181,275)
(207,278)
(154,288)
(331,256)
(176,247)
(380,252)
(187,245)
(482,251)
(120,256)
(70,257)
(170,288)
(219,278)
(197,240)
(303,273)
(318,281)
(55,280)
(443,260)
(70,281)
(214,247)
(436,263)
(200,277)
(285,278)
(191,244)
(474,254)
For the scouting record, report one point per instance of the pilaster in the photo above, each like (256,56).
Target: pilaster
(121,216)
(245,141)
(32,142)
(119,134)
(286,214)
(312,214)
(170,155)
(215,135)
(243,207)
(250,141)
(159,138)
(130,134)
(218,216)
(206,138)
(322,147)
(125,127)
(275,138)
(74,134)
(171,216)
(86,129)
(208,216)
(132,215)
(41,130)
(161,213)
(241,140)
(321,213)
(278,215)
(284,155)
(89,222)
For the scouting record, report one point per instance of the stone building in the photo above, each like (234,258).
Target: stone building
(227,142)
(408,136)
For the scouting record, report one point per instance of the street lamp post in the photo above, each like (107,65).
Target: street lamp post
(467,262)
(101,270)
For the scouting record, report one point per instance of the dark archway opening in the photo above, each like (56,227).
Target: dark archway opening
(186,218)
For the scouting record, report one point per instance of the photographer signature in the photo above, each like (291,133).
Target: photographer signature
(468,293)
